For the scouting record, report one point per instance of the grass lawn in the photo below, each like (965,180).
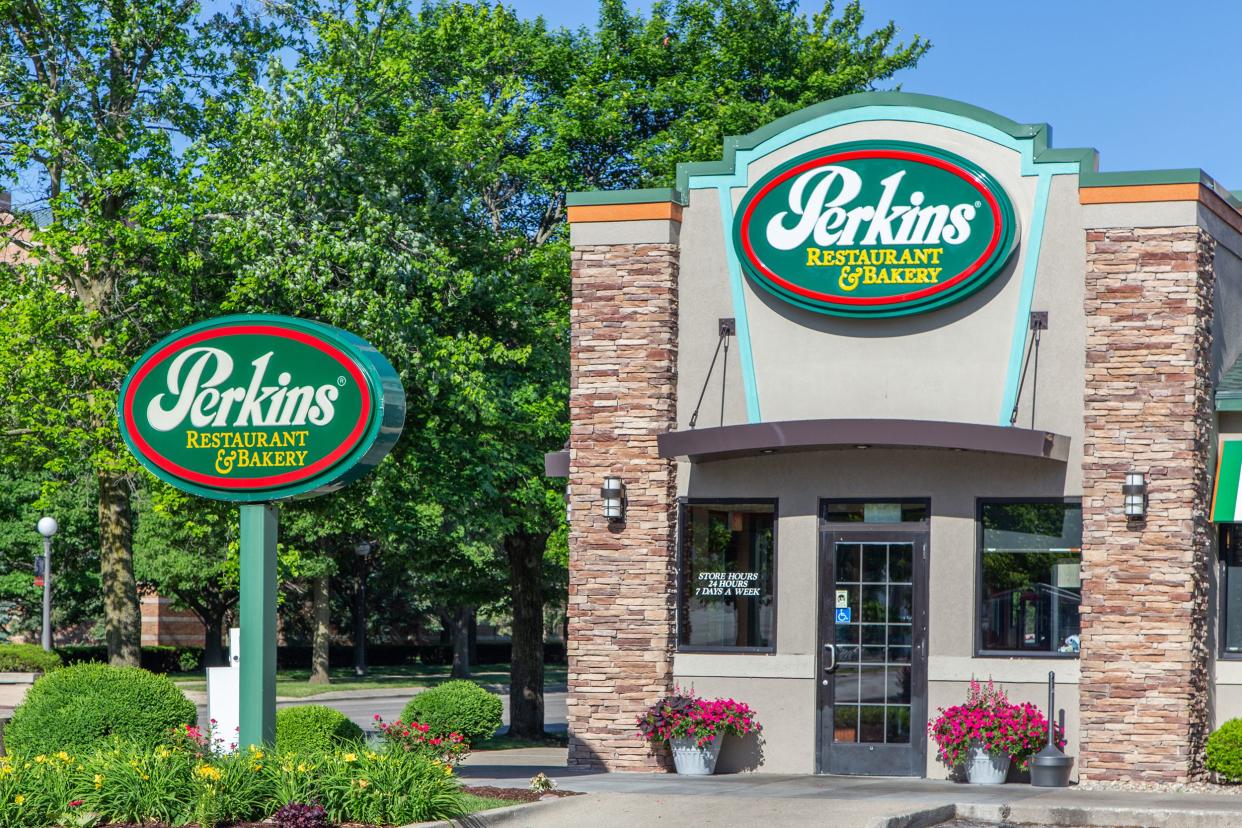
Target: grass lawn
(475,804)
(504,742)
(292,683)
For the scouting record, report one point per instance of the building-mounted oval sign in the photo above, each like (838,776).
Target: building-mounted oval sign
(259,408)
(875,228)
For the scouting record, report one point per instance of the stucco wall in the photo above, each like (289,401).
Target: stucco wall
(953,481)
(949,364)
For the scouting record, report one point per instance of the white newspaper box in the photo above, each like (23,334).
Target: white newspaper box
(224,696)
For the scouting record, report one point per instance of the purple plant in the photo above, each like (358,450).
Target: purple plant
(298,815)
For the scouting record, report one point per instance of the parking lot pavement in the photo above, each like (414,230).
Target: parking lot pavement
(362,705)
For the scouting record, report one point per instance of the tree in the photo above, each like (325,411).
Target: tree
(99,100)
(529,114)
(24,498)
(411,173)
(187,547)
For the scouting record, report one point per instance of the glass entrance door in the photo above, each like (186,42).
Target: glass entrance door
(873,651)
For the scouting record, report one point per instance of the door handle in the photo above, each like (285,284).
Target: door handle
(832,652)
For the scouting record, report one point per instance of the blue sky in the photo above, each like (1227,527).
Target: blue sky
(1151,85)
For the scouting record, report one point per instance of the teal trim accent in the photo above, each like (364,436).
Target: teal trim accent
(1083,161)
(1029,140)
(647,196)
(743,158)
(737,289)
(257,713)
(1189,175)
(1229,403)
(1026,295)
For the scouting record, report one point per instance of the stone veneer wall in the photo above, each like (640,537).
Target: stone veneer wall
(1144,690)
(621,577)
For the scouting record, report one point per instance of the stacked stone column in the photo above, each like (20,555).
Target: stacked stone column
(621,575)
(1144,660)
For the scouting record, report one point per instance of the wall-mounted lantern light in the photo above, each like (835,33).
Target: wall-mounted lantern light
(612,493)
(1135,495)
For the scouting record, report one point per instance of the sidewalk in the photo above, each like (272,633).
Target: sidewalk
(771,799)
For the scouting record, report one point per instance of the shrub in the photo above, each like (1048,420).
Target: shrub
(27,658)
(456,707)
(122,783)
(75,708)
(313,728)
(412,737)
(298,815)
(387,789)
(1224,751)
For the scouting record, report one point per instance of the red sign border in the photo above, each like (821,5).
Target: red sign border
(271,481)
(878,301)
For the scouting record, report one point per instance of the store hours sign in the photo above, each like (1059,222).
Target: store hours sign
(875,228)
(261,408)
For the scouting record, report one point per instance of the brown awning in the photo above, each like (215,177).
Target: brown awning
(707,444)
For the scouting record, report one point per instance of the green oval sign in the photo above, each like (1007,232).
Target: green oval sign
(875,229)
(258,408)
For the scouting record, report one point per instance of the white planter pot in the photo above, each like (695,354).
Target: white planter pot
(982,768)
(692,760)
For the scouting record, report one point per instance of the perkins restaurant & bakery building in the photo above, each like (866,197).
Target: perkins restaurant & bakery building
(893,395)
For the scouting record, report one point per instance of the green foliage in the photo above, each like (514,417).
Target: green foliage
(27,658)
(314,728)
(125,783)
(78,707)
(1224,751)
(456,707)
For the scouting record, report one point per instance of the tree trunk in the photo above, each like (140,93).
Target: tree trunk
(461,642)
(122,616)
(473,630)
(214,654)
(525,554)
(319,647)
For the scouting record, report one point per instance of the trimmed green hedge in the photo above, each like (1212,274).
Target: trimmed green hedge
(76,708)
(27,658)
(1224,751)
(456,707)
(313,728)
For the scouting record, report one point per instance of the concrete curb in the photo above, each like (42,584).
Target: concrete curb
(916,819)
(511,815)
(1062,815)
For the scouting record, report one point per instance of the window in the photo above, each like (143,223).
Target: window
(727,595)
(1029,575)
(1231,587)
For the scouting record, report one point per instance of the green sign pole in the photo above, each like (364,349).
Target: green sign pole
(258,625)
(256,409)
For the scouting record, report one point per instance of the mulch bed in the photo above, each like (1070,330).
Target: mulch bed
(515,795)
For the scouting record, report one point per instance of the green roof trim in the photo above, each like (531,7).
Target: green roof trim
(1040,136)
(647,196)
(1229,404)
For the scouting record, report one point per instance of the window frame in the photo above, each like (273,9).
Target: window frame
(1222,592)
(682,504)
(977,620)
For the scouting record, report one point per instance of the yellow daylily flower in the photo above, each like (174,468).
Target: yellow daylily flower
(350,757)
(19,799)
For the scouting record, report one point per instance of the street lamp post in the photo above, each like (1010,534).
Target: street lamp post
(362,550)
(47,527)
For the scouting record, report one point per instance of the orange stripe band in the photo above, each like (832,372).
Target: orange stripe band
(656,210)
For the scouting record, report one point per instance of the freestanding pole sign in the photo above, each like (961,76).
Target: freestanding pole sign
(257,409)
